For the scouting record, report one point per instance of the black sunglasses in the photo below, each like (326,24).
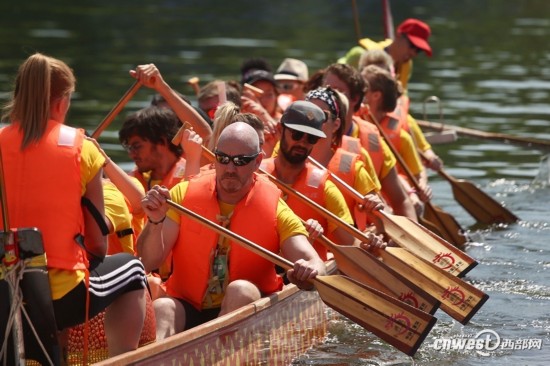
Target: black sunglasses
(238,160)
(297,136)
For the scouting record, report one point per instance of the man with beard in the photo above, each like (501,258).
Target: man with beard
(301,125)
(211,275)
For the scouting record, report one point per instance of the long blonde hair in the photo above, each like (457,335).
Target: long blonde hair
(40,81)
(222,118)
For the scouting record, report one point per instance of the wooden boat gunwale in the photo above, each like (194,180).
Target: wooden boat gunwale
(244,313)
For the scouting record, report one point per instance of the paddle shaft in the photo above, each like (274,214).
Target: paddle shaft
(495,136)
(449,229)
(356,20)
(394,321)
(116,109)
(194,82)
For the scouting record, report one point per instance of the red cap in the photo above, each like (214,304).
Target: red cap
(417,32)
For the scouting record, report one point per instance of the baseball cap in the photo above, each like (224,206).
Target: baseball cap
(305,117)
(292,69)
(417,32)
(250,77)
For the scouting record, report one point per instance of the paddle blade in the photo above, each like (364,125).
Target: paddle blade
(397,323)
(447,226)
(479,204)
(458,298)
(427,245)
(365,268)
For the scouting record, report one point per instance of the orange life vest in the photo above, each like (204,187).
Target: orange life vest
(174,176)
(371,141)
(343,165)
(310,183)
(43,189)
(254,218)
(392,126)
(352,145)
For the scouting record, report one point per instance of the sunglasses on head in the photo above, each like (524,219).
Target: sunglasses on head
(298,135)
(238,160)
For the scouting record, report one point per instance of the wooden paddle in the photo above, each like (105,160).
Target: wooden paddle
(394,321)
(364,267)
(437,220)
(116,109)
(194,82)
(495,136)
(478,203)
(458,299)
(412,236)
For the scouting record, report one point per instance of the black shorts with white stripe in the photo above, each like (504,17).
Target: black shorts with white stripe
(110,278)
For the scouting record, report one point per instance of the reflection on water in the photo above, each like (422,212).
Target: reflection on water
(488,69)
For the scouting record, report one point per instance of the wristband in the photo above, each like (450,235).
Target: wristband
(156,222)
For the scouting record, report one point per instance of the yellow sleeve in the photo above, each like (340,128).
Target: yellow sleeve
(417,134)
(409,154)
(335,203)
(91,161)
(363,182)
(116,210)
(369,167)
(288,223)
(404,74)
(177,193)
(389,160)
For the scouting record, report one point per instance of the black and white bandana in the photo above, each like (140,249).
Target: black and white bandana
(327,96)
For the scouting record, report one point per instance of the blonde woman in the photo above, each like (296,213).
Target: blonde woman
(48,196)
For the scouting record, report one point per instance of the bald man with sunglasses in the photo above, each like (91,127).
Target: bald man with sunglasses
(301,125)
(211,275)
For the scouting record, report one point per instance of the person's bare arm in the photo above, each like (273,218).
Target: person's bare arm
(307,263)
(397,197)
(150,76)
(121,180)
(160,233)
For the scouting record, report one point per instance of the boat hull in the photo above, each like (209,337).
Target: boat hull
(272,330)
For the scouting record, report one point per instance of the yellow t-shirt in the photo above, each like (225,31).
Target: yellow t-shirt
(417,134)
(389,160)
(288,224)
(116,210)
(363,182)
(63,281)
(335,203)
(369,167)
(409,154)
